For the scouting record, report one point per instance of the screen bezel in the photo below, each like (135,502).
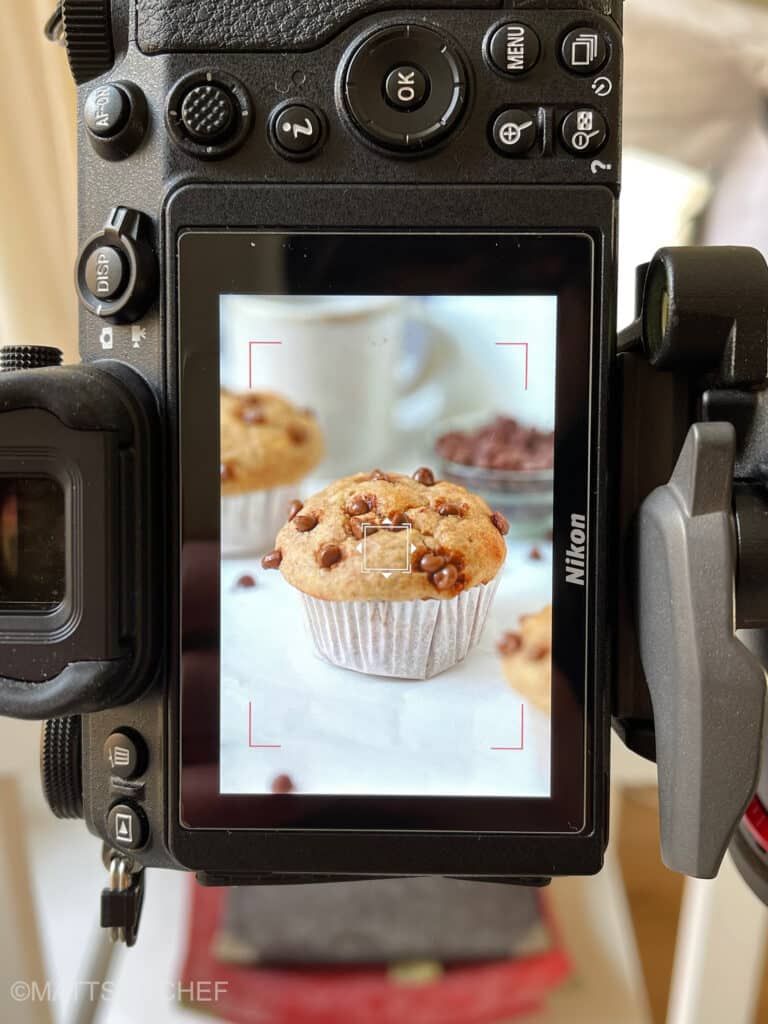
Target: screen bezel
(246,262)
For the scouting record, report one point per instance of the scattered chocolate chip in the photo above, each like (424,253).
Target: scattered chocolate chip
(328,555)
(535,555)
(252,414)
(399,519)
(431,563)
(227,472)
(358,505)
(272,560)
(537,652)
(500,523)
(283,784)
(449,509)
(424,476)
(297,433)
(378,475)
(305,522)
(510,643)
(246,582)
(445,578)
(294,508)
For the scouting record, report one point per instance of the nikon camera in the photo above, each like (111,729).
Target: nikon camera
(309,565)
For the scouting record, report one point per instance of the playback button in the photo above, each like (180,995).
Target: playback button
(515,132)
(127,827)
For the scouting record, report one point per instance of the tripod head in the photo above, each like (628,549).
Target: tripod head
(689,691)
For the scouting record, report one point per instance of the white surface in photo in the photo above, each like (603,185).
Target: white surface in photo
(335,731)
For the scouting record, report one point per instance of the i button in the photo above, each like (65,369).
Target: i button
(406,88)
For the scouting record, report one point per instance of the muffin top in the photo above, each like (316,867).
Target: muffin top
(384,536)
(265,442)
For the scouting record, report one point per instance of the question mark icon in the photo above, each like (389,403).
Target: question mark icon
(598,165)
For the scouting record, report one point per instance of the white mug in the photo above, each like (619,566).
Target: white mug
(340,356)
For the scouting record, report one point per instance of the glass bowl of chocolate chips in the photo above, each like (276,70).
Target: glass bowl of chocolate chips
(509,464)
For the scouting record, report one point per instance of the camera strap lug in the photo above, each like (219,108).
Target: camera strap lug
(122,902)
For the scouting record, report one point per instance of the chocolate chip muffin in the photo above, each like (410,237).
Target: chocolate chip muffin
(267,447)
(397,573)
(527,658)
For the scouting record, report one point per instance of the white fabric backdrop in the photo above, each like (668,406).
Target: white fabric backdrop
(38,213)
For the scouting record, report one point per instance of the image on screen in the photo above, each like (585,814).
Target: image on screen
(387,473)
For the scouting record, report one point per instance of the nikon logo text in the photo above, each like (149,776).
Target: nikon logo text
(575,556)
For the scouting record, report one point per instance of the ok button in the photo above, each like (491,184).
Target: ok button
(406,88)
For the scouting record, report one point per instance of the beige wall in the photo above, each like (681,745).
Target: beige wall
(38,209)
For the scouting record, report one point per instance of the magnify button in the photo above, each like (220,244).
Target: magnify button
(515,132)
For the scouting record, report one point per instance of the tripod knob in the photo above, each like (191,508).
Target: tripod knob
(88,38)
(28,357)
(707,689)
(60,768)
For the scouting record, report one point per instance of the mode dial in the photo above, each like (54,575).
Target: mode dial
(88,38)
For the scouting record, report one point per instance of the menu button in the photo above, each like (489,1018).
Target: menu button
(514,49)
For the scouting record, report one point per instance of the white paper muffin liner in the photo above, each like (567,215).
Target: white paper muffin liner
(402,639)
(250,522)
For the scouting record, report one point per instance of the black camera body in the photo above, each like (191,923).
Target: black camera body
(465,147)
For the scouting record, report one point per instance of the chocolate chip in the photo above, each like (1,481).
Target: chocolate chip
(294,508)
(535,555)
(252,414)
(500,523)
(272,560)
(378,475)
(431,563)
(246,582)
(449,509)
(282,784)
(399,519)
(424,476)
(328,555)
(227,472)
(537,652)
(305,522)
(445,578)
(358,505)
(510,643)
(297,433)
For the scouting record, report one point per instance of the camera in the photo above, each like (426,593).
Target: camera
(356,530)
(286,224)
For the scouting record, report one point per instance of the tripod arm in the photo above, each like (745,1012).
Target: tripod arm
(707,689)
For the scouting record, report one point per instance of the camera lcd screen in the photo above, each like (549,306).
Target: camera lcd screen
(32,548)
(399,630)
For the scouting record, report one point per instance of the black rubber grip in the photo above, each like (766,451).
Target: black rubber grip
(289,25)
